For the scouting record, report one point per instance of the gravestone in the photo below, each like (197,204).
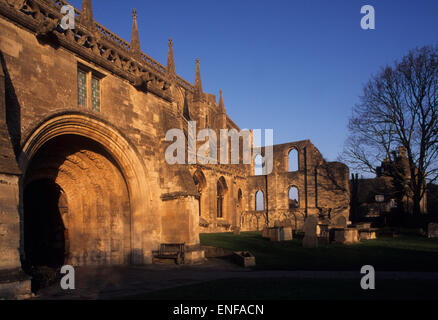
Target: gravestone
(310,232)
(432,230)
(340,222)
(265,233)
(236,231)
(277,234)
(274,234)
(346,235)
(323,234)
(286,233)
(367,234)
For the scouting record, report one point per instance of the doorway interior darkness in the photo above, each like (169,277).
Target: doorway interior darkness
(45,243)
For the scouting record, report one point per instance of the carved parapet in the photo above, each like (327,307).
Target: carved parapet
(17,4)
(96,44)
(143,79)
(46,27)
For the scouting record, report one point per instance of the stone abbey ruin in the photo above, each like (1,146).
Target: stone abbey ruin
(83,176)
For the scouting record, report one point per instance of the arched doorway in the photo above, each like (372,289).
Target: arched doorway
(110,148)
(76,205)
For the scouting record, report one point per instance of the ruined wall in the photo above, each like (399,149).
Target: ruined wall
(323,188)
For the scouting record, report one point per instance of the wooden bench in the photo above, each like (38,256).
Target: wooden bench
(174,251)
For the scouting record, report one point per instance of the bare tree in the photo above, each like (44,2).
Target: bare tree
(399,107)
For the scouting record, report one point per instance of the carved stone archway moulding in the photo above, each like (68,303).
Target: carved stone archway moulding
(144,222)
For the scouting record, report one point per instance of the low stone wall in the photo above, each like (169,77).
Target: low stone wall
(214,252)
(193,257)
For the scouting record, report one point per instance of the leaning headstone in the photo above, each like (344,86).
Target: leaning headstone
(310,232)
(432,230)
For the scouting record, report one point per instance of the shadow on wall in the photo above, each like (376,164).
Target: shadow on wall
(13,110)
(46,238)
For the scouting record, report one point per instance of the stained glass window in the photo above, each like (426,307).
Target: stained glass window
(95,93)
(82,88)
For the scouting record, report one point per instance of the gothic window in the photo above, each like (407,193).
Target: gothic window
(293,160)
(293,198)
(82,88)
(258,165)
(260,201)
(89,89)
(220,200)
(95,93)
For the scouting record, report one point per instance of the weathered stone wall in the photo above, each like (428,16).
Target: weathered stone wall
(120,199)
(323,187)
(43,88)
(9,223)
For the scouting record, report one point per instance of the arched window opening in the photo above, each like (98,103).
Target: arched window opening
(293,160)
(260,201)
(220,199)
(239,197)
(258,165)
(200,183)
(293,198)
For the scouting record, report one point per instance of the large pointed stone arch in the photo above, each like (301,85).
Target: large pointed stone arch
(145,225)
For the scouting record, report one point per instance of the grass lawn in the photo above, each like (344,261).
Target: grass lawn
(296,289)
(408,252)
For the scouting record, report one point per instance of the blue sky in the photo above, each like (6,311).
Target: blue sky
(297,67)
